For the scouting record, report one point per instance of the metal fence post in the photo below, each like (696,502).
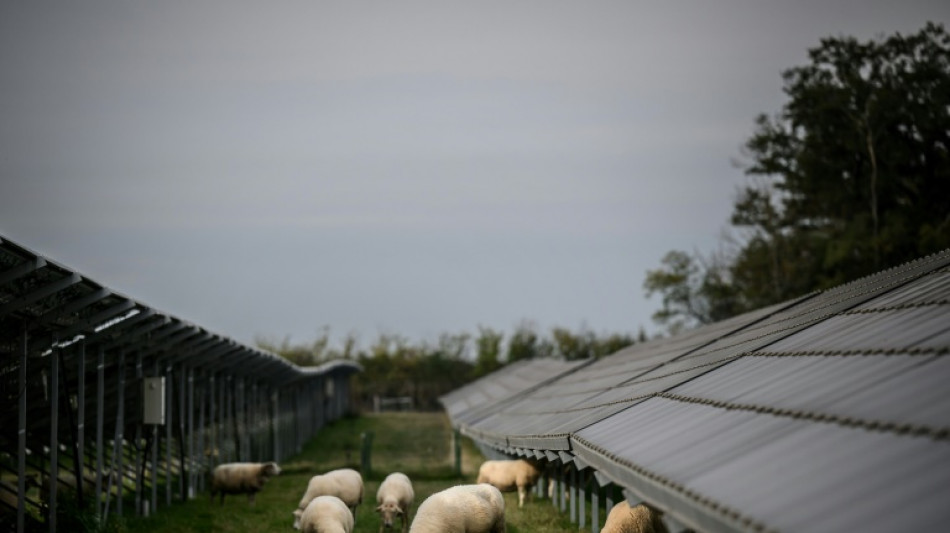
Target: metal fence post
(155,444)
(573,496)
(583,493)
(169,420)
(458,452)
(275,424)
(21,437)
(595,506)
(53,434)
(366,465)
(139,459)
(100,425)
(81,420)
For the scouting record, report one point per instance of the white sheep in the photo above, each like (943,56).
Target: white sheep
(326,514)
(462,509)
(241,478)
(394,498)
(509,475)
(345,483)
(636,519)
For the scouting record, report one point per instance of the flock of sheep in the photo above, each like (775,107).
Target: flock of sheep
(329,502)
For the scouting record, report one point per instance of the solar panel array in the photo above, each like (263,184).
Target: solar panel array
(73,357)
(827,413)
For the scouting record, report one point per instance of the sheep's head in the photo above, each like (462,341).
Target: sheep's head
(389,512)
(270,469)
(297,514)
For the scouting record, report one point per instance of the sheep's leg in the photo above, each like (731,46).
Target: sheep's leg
(521,491)
(250,499)
(499,526)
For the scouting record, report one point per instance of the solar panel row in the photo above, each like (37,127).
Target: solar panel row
(827,413)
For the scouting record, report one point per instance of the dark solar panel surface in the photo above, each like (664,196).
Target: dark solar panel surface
(829,413)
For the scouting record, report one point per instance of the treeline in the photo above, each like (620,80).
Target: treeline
(852,176)
(395,367)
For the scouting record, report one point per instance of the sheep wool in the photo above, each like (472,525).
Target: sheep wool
(241,478)
(636,519)
(462,509)
(509,475)
(326,514)
(345,483)
(394,499)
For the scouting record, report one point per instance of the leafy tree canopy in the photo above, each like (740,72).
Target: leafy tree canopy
(851,176)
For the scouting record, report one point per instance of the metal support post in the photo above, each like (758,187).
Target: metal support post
(81,418)
(191,434)
(154,499)
(573,497)
(275,424)
(595,507)
(139,487)
(100,423)
(21,436)
(609,499)
(202,457)
(213,459)
(169,420)
(53,435)
(583,493)
(560,488)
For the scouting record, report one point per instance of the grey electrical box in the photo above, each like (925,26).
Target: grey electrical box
(153,401)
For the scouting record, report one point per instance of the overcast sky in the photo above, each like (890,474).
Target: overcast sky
(413,168)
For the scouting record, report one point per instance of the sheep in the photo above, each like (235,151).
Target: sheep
(462,509)
(325,514)
(510,475)
(345,483)
(241,478)
(395,497)
(637,519)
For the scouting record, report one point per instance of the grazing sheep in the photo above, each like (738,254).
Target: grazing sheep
(325,514)
(345,483)
(509,475)
(637,519)
(395,497)
(241,478)
(462,509)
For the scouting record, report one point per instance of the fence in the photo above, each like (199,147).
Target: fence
(76,360)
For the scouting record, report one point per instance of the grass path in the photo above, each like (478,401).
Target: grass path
(417,444)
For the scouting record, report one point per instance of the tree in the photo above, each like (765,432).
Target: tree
(676,282)
(526,344)
(859,160)
(695,290)
(302,355)
(571,346)
(488,358)
(611,344)
(850,177)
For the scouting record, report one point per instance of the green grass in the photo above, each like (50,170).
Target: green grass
(417,444)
